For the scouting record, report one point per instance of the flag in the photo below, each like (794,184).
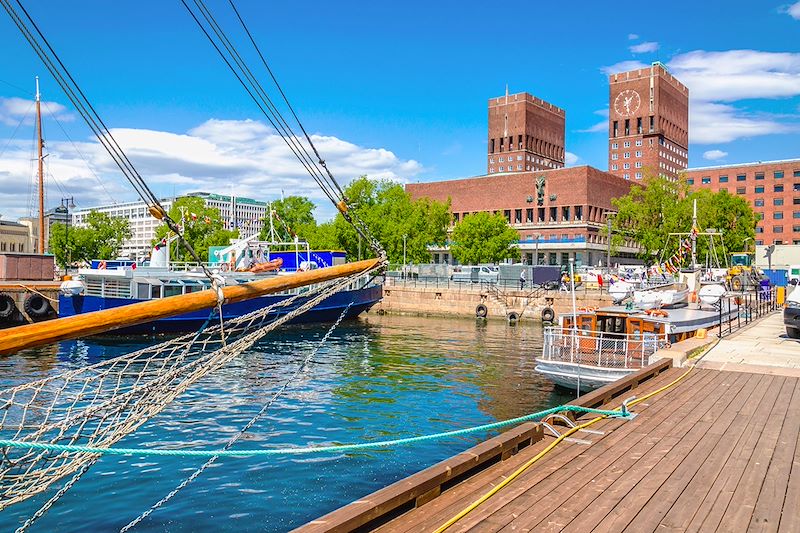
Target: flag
(133,266)
(600,280)
(160,244)
(193,215)
(207,220)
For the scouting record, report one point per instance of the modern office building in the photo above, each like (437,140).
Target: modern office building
(560,214)
(244,214)
(525,133)
(648,123)
(771,187)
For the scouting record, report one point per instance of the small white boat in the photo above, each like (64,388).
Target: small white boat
(710,294)
(661,298)
(620,290)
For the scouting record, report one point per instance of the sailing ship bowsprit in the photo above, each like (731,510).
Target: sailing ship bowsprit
(97,405)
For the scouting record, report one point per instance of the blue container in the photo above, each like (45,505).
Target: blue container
(778,278)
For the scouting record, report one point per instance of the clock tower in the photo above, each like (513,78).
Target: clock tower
(648,124)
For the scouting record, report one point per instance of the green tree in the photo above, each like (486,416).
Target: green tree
(390,214)
(322,236)
(101,238)
(660,206)
(484,238)
(293,212)
(202,228)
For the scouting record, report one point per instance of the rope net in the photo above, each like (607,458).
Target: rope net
(100,404)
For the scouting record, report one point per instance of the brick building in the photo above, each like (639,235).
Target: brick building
(648,123)
(559,214)
(772,188)
(525,133)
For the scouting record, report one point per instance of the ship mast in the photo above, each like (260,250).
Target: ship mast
(40,147)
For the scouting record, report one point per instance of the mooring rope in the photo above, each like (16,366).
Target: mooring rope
(151,452)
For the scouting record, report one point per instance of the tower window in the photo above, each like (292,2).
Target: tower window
(491,146)
(652,124)
(616,128)
(639,125)
(627,126)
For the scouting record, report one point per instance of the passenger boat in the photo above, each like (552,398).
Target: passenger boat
(110,284)
(605,344)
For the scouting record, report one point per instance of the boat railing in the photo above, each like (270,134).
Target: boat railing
(600,348)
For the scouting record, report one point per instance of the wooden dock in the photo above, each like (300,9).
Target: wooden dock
(718,451)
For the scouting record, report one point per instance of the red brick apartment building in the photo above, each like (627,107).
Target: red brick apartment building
(559,214)
(525,133)
(772,188)
(648,123)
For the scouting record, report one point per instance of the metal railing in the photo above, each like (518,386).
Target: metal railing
(740,309)
(601,349)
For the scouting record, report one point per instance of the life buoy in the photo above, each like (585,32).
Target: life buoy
(656,312)
(7,306)
(513,316)
(36,306)
(548,315)
(481,311)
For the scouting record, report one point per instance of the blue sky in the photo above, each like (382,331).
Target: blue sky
(392,89)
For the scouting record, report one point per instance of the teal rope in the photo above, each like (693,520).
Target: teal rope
(44,446)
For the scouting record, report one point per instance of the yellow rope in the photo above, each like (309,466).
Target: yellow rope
(474,505)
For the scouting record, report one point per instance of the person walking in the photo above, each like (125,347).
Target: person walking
(522,279)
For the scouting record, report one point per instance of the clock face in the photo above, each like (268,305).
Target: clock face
(627,103)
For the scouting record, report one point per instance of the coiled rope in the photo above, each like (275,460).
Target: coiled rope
(148,452)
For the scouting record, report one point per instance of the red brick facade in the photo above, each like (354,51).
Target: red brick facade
(648,124)
(772,188)
(567,215)
(525,133)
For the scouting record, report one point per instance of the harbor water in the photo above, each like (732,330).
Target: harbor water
(377,378)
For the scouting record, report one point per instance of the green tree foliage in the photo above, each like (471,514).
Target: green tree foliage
(322,236)
(388,211)
(202,228)
(293,212)
(659,206)
(484,238)
(102,238)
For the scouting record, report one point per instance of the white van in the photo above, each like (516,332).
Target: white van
(475,274)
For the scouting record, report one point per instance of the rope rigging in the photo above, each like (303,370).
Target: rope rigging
(41,46)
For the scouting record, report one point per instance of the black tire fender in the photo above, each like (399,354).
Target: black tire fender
(481,311)
(7,306)
(36,306)
(548,315)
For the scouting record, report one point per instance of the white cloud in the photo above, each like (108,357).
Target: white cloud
(716,80)
(241,156)
(632,36)
(13,110)
(713,155)
(794,11)
(643,48)
(600,126)
(570,158)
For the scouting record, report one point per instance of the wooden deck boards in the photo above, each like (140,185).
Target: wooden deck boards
(717,452)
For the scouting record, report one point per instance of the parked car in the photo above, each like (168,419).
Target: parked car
(475,274)
(791,314)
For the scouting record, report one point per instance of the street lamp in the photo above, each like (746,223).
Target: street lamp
(404,254)
(63,209)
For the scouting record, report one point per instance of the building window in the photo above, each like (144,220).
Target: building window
(578,212)
(723,179)
(638,164)
(705,179)
(519,158)
(491,170)
(777,215)
(501,160)
(507,214)
(690,181)
(553,214)
(565,213)
(759,189)
(501,169)
(796,214)
(638,175)
(529,215)
(777,201)
(778,188)
(615,128)
(627,176)
(491,146)
(626,155)
(615,167)
(759,175)
(742,190)
(614,146)
(743,177)
(519,167)
(626,144)
(778,174)
(518,216)
(541,214)
(759,202)
(638,153)
(626,166)
(455,218)
(628,127)
(796,201)
(639,142)
(759,242)
(614,157)
(759,229)
(797,173)
(652,124)
(777,229)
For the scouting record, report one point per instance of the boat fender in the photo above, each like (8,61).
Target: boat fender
(36,306)
(548,315)
(481,311)
(7,306)
(513,316)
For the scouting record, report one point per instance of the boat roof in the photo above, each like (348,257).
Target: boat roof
(681,319)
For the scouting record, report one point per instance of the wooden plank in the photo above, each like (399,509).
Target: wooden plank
(616,433)
(72,327)
(400,496)
(713,507)
(771,499)
(619,517)
(790,518)
(588,503)
(729,426)
(687,504)
(742,504)
(604,395)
